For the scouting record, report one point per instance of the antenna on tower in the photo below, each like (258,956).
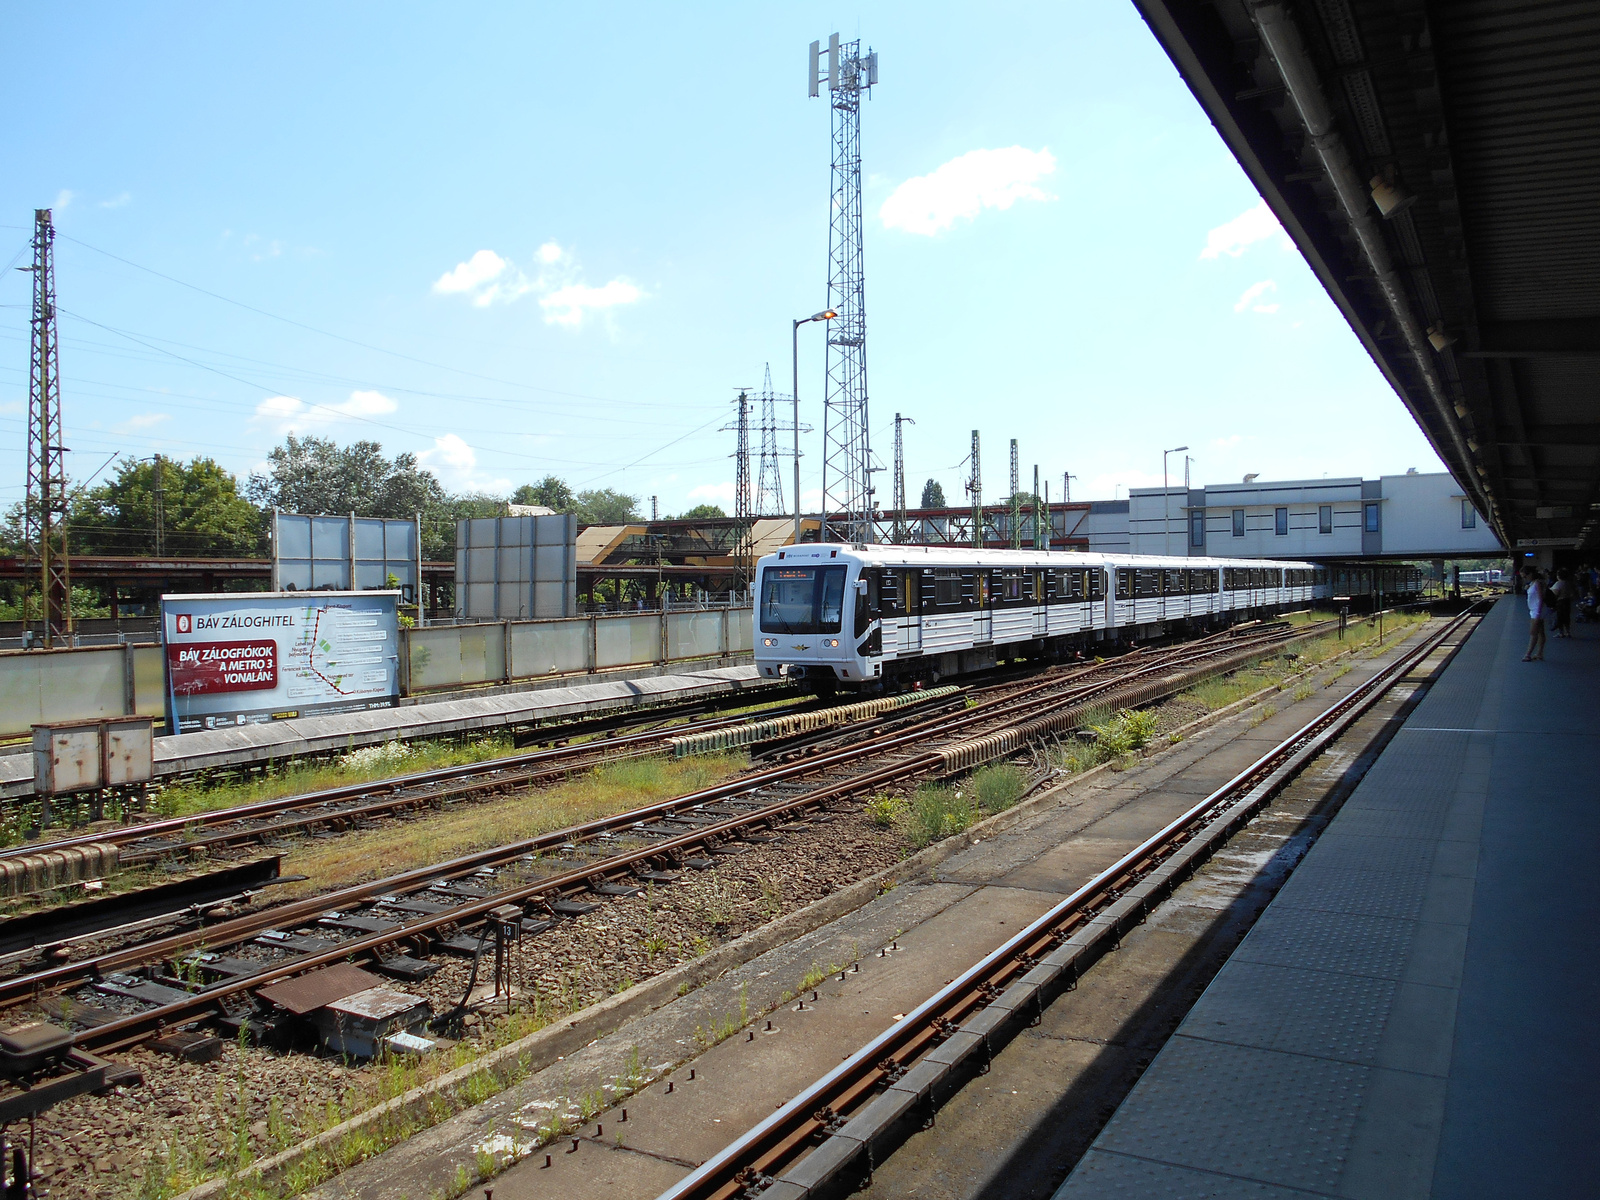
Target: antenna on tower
(846,447)
(900,478)
(975,491)
(743,546)
(1015,516)
(45,501)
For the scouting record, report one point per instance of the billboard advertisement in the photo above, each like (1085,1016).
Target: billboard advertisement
(244,658)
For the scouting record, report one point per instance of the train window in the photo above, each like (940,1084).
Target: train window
(1097,584)
(802,599)
(947,588)
(1173,583)
(1147,583)
(1124,583)
(1325,518)
(1010,585)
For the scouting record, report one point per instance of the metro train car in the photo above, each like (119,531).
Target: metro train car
(869,617)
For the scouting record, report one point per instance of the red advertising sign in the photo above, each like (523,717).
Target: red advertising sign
(202,668)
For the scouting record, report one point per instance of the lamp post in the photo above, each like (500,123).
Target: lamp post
(826,314)
(1166,501)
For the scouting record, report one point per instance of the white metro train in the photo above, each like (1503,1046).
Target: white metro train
(866,616)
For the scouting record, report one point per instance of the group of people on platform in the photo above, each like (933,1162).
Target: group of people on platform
(1554,597)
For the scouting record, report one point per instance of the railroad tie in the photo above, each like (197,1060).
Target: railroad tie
(711,741)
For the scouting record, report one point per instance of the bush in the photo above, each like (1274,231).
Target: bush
(998,786)
(884,810)
(1124,733)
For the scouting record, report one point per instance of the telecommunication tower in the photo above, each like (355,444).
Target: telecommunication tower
(900,478)
(1016,502)
(741,485)
(846,449)
(975,491)
(45,503)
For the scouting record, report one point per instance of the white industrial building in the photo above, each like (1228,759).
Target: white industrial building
(1413,516)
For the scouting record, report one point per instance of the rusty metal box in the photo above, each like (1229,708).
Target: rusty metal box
(130,747)
(68,758)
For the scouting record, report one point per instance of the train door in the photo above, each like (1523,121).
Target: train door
(983,625)
(911,605)
(1040,582)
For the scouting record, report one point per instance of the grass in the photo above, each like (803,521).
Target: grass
(943,810)
(401,845)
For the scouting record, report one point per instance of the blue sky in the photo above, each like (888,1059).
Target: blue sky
(520,240)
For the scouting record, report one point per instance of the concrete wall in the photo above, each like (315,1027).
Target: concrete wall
(1422,516)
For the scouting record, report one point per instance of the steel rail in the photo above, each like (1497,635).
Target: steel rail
(113,1035)
(962,1022)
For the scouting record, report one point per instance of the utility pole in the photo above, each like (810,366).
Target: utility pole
(1038,510)
(1015,517)
(1066,487)
(769,486)
(900,478)
(655,509)
(45,501)
(1050,523)
(975,491)
(846,448)
(743,545)
(161,506)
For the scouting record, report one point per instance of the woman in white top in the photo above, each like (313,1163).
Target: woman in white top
(1536,607)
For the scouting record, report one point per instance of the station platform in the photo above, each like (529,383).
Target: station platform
(487,713)
(1414,1013)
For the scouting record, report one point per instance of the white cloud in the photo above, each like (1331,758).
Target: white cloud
(1233,439)
(567,306)
(713,493)
(63,198)
(1234,237)
(290,414)
(142,421)
(1254,293)
(117,201)
(488,278)
(963,187)
(456,464)
(452,452)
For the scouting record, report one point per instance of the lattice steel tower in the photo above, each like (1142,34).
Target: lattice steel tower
(975,492)
(769,487)
(846,448)
(900,478)
(742,498)
(45,504)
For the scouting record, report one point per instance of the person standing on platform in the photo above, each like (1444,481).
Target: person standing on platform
(1561,595)
(1536,614)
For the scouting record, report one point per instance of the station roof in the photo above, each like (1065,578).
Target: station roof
(1479,299)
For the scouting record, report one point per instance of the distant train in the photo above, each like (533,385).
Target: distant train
(867,616)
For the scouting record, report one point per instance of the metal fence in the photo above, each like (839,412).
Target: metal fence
(45,686)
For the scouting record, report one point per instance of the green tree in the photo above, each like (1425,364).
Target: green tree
(703,512)
(551,491)
(605,506)
(202,513)
(933,495)
(316,475)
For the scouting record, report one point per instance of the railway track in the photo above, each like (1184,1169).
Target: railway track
(531,884)
(825,1139)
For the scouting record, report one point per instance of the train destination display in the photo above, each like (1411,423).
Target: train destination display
(244,658)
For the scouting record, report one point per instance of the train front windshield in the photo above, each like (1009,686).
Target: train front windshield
(802,600)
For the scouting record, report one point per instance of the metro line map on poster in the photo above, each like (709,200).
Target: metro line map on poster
(246,658)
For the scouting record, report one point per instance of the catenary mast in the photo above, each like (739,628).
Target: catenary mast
(846,448)
(45,502)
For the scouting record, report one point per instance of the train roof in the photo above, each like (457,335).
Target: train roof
(902,556)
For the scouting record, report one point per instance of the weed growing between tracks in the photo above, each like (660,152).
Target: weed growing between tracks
(402,845)
(939,810)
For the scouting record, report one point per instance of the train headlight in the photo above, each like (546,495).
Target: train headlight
(832,642)
(769,641)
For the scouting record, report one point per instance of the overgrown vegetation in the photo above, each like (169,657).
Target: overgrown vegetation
(939,810)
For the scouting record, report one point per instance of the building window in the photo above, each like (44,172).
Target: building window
(1197,528)
(1469,515)
(1370,521)
(1325,518)
(1238,522)
(1280,522)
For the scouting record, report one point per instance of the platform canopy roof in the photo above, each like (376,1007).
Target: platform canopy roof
(1477,122)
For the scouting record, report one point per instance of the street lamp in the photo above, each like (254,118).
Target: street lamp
(826,314)
(1166,501)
